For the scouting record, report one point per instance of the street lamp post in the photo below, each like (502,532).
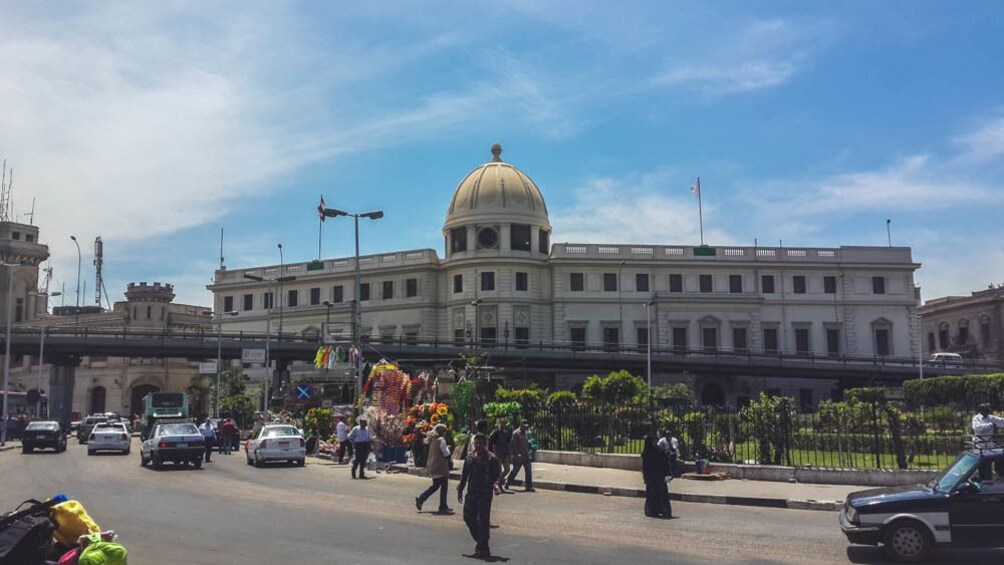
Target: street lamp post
(76,312)
(41,348)
(327,314)
(648,356)
(274,284)
(6,359)
(357,315)
(219,360)
(279,289)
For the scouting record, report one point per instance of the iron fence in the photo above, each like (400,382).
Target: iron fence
(873,435)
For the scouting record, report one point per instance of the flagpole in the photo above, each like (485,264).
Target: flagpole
(700,210)
(320,230)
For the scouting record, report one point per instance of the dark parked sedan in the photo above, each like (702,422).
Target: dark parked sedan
(962,507)
(43,434)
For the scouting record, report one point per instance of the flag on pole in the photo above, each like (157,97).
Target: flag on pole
(696,187)
(320,209)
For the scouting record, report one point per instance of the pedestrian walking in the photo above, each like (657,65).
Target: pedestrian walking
(208,435)
(498,443)
(229,431)
(360,438)
(519,451)
(669,445)
(985,427)
(438,466)
(480,427)
(344,445)
(480,476)
(655,471)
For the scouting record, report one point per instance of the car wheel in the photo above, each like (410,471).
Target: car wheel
(907,541)
(301,462)
(26,449)
(142,460)
(126,452)
(62,447)
(155,459)
(258,462)
(197,463)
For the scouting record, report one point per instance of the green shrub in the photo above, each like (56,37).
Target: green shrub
(562,398)
(964,391)
(460,399)
(508,411)
(529,398)
(319,422)
(619,387)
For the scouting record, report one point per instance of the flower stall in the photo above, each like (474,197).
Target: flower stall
(420,420)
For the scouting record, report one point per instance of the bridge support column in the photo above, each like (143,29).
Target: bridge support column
(62,380)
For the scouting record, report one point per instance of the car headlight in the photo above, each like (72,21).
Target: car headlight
(852,515)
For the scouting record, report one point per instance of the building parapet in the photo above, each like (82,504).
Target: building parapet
(726,253)
(343,265)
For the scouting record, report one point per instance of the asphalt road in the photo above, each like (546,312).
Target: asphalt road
(230,513)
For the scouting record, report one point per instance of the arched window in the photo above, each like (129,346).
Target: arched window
(149,312)
(985,333)
(97,400)
(943,336)
(963,336)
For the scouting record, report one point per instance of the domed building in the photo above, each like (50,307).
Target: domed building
(501,281)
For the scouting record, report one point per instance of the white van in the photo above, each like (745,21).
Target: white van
(945,359)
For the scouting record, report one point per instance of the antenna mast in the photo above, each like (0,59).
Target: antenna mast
(99,260)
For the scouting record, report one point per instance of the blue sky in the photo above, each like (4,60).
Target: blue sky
(154,124)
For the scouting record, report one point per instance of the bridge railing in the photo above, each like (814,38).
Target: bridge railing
(400,344)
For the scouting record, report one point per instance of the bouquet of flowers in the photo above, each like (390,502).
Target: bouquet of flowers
(420,420)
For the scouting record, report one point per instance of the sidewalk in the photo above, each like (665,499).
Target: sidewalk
(617,482)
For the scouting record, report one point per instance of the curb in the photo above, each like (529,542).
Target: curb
(789,503)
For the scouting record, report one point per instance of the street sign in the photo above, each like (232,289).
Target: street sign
(259,374)
(252,356)
(303,392)
(208,368)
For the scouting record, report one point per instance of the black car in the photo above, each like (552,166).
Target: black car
(955,509)
(43,434)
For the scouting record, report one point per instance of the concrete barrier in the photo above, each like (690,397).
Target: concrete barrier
(776,473)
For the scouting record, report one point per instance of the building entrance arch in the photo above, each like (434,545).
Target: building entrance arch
(96,400)
(136,397)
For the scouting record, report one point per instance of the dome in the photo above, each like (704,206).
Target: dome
(497,192)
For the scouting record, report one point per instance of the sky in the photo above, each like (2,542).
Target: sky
(156,124)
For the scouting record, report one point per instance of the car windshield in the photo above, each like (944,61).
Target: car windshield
(43,426)
(952,476)
(178,430)
(91,421)
(280,431)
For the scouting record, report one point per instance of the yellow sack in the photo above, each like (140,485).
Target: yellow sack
(72,521)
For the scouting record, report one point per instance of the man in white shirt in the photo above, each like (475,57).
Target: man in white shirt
(208,435)
(984,428)
(670,446)
(344,445)
(360,438)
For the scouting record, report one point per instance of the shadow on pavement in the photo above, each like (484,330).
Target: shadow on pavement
(868,554)
(491,559)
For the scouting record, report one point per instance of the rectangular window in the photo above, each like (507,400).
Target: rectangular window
(805,399)
(292,298)
(680,340)
(488,280)
(338,294)
(248,303)
(706,283)
(458,337)
(387,291)
(641,282)
(16,235)
(315,296)
(770,340)
(458,240)
(458,284)
(740,342)
(29,238)
(610,282)
(881,341)
(878,285)
(519,237)
(735,283)
(576,282)
(642,339)
(830,285)
(833,342)
(522,337)
(411,288)
(489,335)
(676,283)
(411,337)
(266,302)
(543,242)
(611,339)
(522,281)
(19,310)
(228,303)
(802,341)
(578,336)
(931,344)
(709,339)
(767,284)
(798,284)
(364,291)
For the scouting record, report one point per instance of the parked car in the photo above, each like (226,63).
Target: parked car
(955,509)
(87,425)
(43,434)
(109,436)
(276,442)
(177,442)
(945,359)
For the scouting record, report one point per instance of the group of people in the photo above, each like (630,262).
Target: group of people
(491,463)
(225,431)
(15,424)
(658,465)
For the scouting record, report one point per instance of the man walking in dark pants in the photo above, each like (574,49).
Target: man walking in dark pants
(360,438)
(438,466)
(208,435)
(519,451)
(480,476)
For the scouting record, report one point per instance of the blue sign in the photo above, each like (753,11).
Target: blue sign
(303,392)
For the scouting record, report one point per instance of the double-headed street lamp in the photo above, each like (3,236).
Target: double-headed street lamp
(219,358)
(41,348)
(274,283)
(76,312)
(357,316)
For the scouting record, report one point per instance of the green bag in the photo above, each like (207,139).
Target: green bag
(102,552)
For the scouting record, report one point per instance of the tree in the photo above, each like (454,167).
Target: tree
(619,387)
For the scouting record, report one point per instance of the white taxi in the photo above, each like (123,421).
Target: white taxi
(276,442)
(109,436)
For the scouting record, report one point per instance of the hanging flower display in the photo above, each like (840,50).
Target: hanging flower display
(388,387)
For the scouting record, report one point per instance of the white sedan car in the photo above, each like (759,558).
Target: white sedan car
(276,442)
(109,436)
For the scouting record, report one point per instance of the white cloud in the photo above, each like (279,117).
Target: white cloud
(655,208)
(985,144)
